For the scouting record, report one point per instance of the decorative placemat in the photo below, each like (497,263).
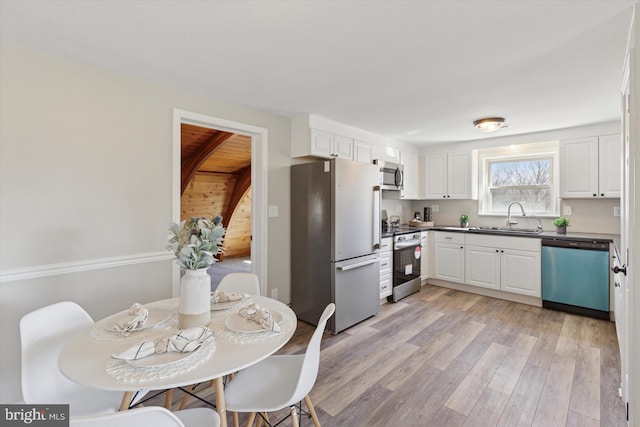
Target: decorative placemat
(102,333)
(224,333)
(124,371)
(215,314)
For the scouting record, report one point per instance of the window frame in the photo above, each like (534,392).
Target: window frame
(523,152)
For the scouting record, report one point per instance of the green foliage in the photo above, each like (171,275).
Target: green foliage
(464,218)
(196,242)
(561,222)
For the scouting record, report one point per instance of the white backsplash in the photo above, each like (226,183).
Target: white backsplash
(401,208)
(587,216)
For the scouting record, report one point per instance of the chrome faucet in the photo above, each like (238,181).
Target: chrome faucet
(539,226)
(510,221)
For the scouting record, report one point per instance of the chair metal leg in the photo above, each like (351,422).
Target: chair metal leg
(312,411)
(294,416)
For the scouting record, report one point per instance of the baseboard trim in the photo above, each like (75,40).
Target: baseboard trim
(522,299)
(47,270)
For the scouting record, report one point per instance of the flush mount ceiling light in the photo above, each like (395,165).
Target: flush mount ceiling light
(490,124)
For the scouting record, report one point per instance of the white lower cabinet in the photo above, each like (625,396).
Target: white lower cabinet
(508,264)
(425,268)
(448,262)
(482,267)
(520,272)
(386,252)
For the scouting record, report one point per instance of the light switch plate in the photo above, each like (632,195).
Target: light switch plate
(616,211)
(435,208)
(566,210)
(273,211)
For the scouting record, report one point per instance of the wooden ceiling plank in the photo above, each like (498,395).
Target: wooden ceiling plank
(191,163)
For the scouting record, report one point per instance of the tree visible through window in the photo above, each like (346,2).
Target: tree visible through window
(527,181)
(524,174)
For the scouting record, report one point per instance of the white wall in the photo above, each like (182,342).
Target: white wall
(85,179)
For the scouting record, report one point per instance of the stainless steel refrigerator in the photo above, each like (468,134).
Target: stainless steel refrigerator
(335,236)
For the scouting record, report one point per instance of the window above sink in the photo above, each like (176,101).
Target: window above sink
(526,173)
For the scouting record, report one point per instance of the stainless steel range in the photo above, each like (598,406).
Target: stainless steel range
(407,251)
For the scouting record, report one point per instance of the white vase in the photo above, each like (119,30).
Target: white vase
(195,299)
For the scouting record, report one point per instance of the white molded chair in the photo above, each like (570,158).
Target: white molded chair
(279,381)
(247,283)
(42,335)
(155,416)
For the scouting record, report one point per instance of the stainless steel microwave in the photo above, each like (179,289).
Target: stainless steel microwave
(391,175)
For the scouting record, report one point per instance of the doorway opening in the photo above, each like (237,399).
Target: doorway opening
(215,164)
(216,181)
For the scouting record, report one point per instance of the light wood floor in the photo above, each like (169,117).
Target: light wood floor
(447,358)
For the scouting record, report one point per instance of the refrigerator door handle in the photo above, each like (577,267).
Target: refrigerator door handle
(377,225)
(357,264)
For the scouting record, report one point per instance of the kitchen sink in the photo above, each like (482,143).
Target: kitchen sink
(508,230)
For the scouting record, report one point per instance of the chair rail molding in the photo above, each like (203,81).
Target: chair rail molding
(47,270)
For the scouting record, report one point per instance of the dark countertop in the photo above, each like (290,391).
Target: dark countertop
(543,235)
(615,238)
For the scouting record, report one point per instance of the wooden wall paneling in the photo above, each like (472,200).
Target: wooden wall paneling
(211,194)
(206,195)
(238,237)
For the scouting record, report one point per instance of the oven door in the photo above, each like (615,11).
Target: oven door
(406,263)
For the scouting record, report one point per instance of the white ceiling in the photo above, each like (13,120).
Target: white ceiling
(418,71)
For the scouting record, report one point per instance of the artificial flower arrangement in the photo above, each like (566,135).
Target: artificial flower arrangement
(196,242)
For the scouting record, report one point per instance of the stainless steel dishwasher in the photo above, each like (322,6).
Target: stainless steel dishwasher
(575,276)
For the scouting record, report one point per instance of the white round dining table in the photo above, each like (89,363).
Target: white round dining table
(84,357)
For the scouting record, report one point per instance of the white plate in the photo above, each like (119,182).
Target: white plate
(237,323)
(226,305)
(162,359)
(156,317)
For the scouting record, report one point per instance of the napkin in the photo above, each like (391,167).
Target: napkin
(186,340)
(138,315)
(260,315)
(222,296)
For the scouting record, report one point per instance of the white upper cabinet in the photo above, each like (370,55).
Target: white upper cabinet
(362,152)
(411,190)
(315,136)
(610,165)
(326,145)
(590,167)
(447,176)
(387,153)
